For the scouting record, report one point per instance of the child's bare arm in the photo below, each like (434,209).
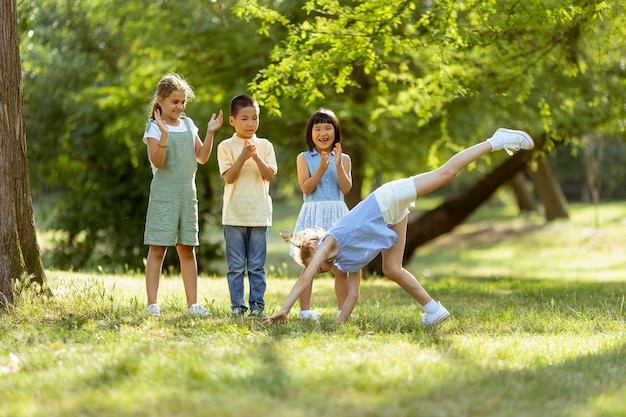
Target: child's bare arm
(156,151)
(157,146)
(203,149)
(344,170)
(322,253)
(266,172)
(300,285)
(232,173)
(308,182)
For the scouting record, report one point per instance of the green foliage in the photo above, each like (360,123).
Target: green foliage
(459,67)
(411,79)
(90,70)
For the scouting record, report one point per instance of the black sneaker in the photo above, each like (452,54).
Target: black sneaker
(255,314)
(237,311)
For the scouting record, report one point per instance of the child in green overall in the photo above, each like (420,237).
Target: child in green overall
(174,149)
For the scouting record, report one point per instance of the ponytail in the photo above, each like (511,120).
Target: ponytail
(301,244)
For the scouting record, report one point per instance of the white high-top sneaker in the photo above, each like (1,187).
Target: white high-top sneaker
(511,140)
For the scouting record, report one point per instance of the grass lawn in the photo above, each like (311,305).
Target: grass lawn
(538,328)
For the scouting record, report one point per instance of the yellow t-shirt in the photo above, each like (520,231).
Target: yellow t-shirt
(247,201)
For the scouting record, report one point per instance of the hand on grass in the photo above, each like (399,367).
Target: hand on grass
(278,318)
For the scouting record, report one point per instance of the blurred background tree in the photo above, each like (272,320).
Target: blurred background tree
(90,70)
(411,82)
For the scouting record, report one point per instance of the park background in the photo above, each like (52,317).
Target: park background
(534,270)
(410,84)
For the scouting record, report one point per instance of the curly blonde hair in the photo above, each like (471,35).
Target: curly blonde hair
(167,84)
(301,244)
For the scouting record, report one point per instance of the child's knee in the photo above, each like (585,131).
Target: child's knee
(392,271)
(185,251)
(158,251)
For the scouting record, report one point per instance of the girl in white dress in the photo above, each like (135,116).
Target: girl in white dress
(325,176)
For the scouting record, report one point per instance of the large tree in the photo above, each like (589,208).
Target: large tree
(455,71)
(90,69)
(19,250)
(411,81)
(449,71)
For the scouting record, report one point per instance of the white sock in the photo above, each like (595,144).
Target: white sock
(431,307)
(496,143)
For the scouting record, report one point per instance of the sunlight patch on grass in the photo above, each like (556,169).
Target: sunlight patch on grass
(534,331)
(512,347)
(563,250)
(527,351)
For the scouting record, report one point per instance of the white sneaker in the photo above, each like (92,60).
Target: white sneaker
(437,317)
(511,140)
(198,310)
(309,315)
(154,309)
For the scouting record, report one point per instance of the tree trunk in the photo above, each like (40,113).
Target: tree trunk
(19,252)
(594,153)
(358,167)
(525,200)
(549,191)
(356,145)
(453,212)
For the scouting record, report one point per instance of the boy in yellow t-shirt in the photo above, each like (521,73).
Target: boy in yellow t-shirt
(248,165)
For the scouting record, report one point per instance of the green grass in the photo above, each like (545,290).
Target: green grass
(538,328)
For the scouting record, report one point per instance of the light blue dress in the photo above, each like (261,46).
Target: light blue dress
(361,235)
(325,205)
(366,231)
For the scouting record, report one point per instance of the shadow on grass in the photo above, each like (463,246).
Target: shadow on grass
(384,307)
(568,388)
(575,386)
(260,379)
(572,387)
(496,305)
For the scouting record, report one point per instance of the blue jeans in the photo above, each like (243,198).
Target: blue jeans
(246,248)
